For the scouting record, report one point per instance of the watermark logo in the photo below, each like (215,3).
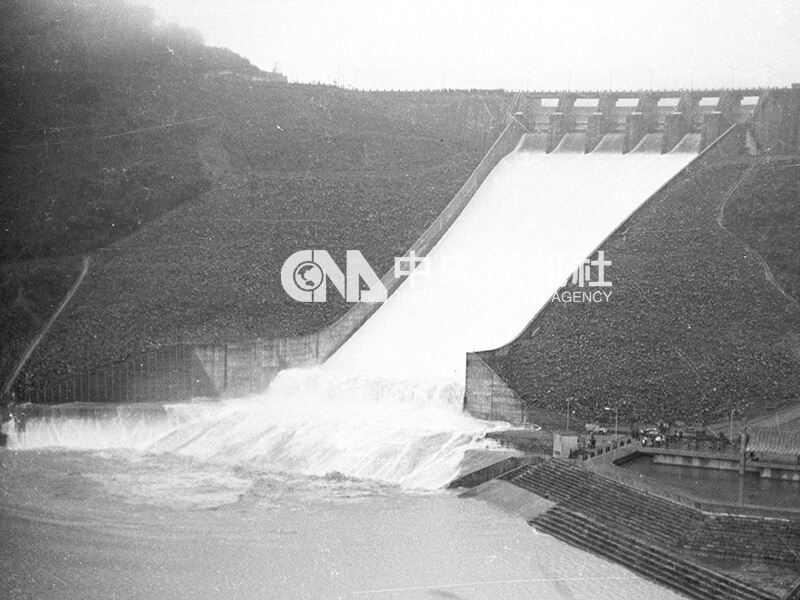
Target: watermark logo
(308,276)
(305,275)
(582,277)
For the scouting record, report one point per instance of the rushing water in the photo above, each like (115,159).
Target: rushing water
(532,222)
(307,490)
(310,422)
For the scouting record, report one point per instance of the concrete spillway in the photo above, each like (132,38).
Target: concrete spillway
(387,405)
(532,222)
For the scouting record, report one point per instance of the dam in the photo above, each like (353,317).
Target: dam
(531,220)
(566,170)
(542,200)
(543,129)
(369,412)
(533,210)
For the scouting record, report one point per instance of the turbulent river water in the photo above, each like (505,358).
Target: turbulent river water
(115,524)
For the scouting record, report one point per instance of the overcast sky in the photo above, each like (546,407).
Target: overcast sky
(512,44)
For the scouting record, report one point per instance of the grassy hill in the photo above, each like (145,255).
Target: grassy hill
(191,183)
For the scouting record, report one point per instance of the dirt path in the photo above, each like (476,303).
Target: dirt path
(27,354)
(720,221)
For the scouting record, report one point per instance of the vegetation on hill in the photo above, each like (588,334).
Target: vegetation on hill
(84,94)
(92,95)
(692,331)
(191,183)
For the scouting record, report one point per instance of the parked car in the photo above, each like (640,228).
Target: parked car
(595,428)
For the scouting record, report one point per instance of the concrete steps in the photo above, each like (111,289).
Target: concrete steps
(662,522)
(655,536)
(775,540)
(622,509)
(655,563)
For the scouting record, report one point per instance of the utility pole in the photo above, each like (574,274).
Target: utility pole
(616,426)
(569,399)
(743,451)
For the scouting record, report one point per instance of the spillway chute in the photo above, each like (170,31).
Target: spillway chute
(572,143)
(532,142)
(690,143)
(534,219)
(611,143)
(651,143)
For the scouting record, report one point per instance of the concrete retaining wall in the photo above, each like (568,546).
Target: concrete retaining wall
(719,463)
(707,460)
(480,476)
(487,396)
(169,374)
(776,121)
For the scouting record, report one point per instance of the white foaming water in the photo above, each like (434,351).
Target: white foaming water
(532,222)
(310,421)
(387,405)
(316,423)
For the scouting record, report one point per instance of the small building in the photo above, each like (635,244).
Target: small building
(772,444)
(564,443)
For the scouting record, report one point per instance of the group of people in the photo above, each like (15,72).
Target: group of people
(655,437)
